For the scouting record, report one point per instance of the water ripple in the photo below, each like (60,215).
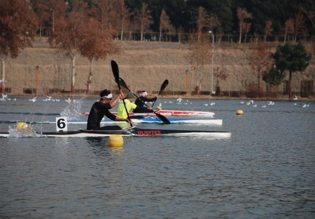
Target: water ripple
(265,170)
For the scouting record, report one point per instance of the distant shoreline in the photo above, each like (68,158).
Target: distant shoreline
(144,66)
(200,97)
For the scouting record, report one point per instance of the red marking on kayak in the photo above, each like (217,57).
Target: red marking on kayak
(149,132)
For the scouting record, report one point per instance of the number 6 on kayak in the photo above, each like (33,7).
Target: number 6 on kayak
(61,124)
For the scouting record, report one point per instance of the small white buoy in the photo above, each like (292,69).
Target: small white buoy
(239,112)
(115,141)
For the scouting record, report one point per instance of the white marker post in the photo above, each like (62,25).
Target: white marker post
(61,124)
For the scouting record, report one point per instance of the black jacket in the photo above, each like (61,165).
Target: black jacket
(140,104)
(98,111)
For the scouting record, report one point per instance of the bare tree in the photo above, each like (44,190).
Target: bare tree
(309,9)
(219,74)
(96,44)
(244,23)
(40,8)
(18,25)
(68,33)
(260,60)
(299,23)
(57,9)
(106,13)
(219,33)
(145,18)
(200,44)
(124,15)
(205,22)
(165,23)
(202,22)
(268,29)
(288,28)
(199,53)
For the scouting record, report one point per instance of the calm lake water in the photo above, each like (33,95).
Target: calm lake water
(265,170)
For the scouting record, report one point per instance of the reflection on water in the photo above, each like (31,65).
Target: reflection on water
(100,147)
(265,170)
(62,143)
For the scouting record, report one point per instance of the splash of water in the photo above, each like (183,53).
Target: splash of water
(14,132)
(73,110)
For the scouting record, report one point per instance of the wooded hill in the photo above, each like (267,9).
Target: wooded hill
(95,30)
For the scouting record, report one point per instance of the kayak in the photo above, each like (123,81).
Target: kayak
(170,113)
(136,132)
(151,119)
(136,120)
(177,113)
(185,113)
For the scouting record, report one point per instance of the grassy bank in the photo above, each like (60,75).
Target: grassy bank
(143,65)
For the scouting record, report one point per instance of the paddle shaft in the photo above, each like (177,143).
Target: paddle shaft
(161,117)
(116,75)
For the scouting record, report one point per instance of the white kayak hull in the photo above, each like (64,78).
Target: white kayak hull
(156,120)
(147,120)
(177,113)
(135,132)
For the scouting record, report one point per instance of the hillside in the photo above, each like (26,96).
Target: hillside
(143,65)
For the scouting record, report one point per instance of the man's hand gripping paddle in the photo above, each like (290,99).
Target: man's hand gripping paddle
(161,117)
(115,71)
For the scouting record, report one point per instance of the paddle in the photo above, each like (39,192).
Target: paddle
(115,71)
(163,86)
(161,117)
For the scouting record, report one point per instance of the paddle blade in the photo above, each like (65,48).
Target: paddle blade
(123,83)
(162,118)
(163,86)
(115,71)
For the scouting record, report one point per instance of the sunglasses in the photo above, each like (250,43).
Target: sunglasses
(110,99)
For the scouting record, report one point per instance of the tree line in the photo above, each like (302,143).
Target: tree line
(87,27)
(243,17)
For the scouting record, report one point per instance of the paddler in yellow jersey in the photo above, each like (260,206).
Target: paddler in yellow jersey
(121,112)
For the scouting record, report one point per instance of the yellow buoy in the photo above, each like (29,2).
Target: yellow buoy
(21,125)
(159,108)
(115,141)
(239,112)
